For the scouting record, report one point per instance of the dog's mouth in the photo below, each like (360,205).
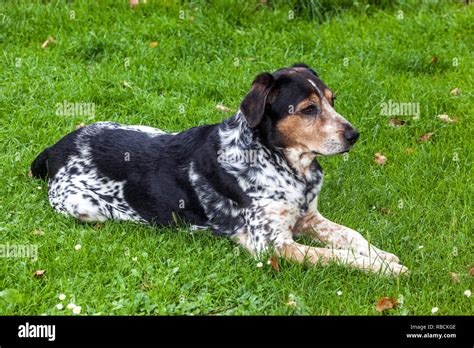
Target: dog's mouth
(315,153)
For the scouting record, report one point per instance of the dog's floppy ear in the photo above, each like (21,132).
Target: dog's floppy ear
(303,65)
(253,105)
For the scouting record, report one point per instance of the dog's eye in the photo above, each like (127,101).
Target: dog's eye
(310,110)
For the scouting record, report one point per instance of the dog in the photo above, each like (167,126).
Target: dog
(254,177)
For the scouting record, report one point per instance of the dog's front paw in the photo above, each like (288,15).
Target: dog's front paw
(392,269)
(376,253)
(373,263)
(386,256)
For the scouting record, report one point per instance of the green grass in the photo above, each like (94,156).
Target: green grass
(212,59)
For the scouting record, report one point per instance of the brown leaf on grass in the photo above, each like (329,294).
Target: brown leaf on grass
(384,211)
(38,232)
(30,174)
(153,44)
(455,277)
(145,285)
(39,273)
(434,60)
(80,125)
(471,270)
(426,137)
(49,41)
(274,263)
(386,303)
(98,226)
(223,108)
(380,159)
(455,92)
(409,150)
(395,122)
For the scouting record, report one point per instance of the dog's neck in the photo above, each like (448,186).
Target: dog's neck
(303,162)
(235,132)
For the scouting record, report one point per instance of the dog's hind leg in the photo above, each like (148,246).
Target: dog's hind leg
(83,205)
(88,205)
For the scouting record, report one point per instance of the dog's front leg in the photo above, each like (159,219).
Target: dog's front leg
(323,256)
(284,246)
(337,236)
(270,227)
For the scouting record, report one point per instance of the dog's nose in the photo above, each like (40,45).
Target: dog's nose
(351,135)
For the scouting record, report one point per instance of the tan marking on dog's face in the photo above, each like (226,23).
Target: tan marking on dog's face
(314,127)
(300,118)
(329,95)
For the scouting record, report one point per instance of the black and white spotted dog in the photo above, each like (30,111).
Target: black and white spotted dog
(253,177)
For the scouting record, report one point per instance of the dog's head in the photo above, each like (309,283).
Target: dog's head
(293,109)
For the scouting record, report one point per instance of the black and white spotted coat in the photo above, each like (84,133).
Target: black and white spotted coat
(279,194)
(220,176)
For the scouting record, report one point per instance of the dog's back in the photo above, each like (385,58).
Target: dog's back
(111,171)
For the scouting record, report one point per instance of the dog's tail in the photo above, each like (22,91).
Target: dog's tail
(39,167)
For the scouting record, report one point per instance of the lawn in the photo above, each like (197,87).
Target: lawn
(168,66)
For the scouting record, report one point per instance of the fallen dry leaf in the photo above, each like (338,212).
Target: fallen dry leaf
(384,211)
(153,44)
(409,150)
(274,263)
(455,92)
(145,285)
(395,122)
(386,303)
(30,174)
(98,226)
(38,232)
(471,271)
(426,137)
(455,277)
(39,273)
(223,108)
(49,40)
(80,125)
(380,159)
(434,60)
